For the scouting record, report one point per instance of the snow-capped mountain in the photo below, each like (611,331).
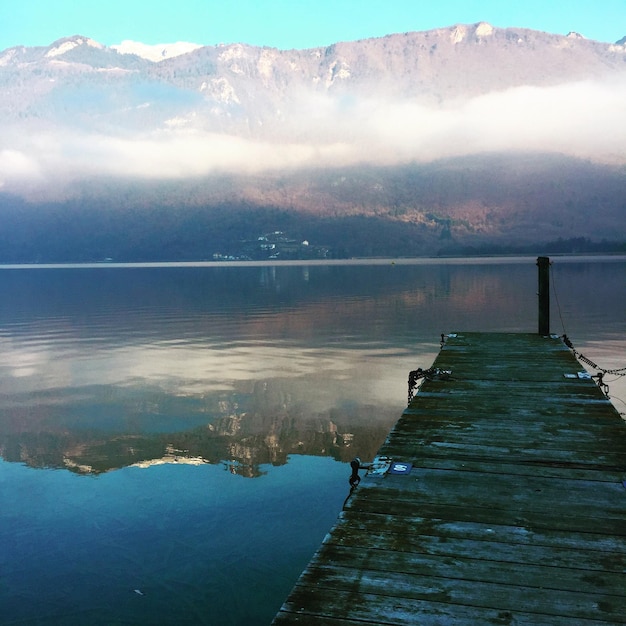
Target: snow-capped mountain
(275,94)
(523,130)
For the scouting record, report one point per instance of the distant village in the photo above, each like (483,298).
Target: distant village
(276,245)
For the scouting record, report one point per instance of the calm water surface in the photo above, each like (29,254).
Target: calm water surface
(175,440)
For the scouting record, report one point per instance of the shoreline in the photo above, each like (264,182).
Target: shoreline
(463,260)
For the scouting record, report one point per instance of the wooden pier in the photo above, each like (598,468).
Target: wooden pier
(502,500)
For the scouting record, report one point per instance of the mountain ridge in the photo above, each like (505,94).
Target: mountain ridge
(394,131)
(183,47)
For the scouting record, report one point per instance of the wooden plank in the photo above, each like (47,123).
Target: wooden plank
(514,510)
(501,516)
(350,522)
(320,606)
(446,585)
(488,452)
(519,438)
(542,468)
(577,505)
(474,561)
(500,491)
(404,600)
(511,544)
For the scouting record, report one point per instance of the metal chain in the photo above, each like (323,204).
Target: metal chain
(581,357)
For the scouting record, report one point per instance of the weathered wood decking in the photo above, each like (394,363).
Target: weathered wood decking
(514,511)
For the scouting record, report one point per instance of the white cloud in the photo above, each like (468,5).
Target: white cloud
(181,154)
(584,119)
(15,165)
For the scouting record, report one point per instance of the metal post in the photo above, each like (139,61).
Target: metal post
(543,263)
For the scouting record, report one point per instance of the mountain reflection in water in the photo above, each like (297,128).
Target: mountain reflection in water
(107,367)
(241,430)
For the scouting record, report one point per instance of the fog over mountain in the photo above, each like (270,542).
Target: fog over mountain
(454,131)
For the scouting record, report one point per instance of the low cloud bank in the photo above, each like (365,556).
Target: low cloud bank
(584,119)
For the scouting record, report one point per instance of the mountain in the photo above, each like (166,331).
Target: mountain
(457,139)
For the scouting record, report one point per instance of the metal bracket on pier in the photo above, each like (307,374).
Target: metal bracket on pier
(379,466)
(430,374)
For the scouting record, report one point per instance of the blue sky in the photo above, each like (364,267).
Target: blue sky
(291,23)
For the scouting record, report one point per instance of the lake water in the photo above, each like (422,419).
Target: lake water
(175,440)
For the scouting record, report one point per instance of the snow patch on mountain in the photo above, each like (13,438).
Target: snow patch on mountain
(221,90)
(337,70)
(458,33)
(157,52)
(69,44)
(6,58)
(266,63)
(484,29)
(234,51)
